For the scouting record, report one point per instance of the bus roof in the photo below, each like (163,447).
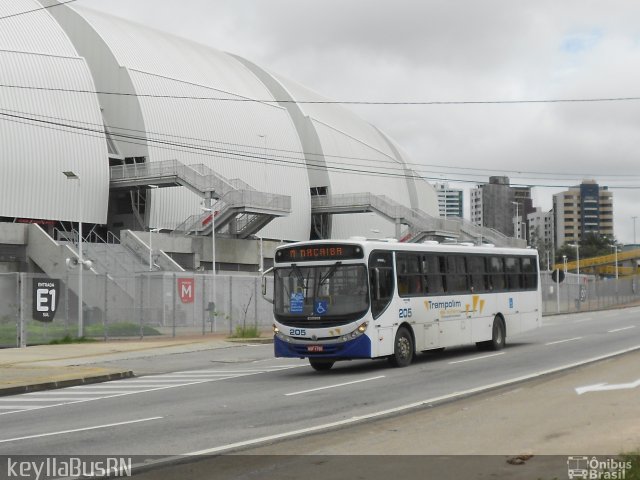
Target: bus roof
(428,246)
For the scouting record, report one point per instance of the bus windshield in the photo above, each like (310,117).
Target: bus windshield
(333,293)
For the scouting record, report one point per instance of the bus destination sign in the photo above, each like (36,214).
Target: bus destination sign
(325,251)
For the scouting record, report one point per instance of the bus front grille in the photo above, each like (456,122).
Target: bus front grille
(321,323)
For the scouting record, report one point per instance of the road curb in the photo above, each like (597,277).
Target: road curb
(252,341)
(72,382)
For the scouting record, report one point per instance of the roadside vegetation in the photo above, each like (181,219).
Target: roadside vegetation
(42,333)
(246,332)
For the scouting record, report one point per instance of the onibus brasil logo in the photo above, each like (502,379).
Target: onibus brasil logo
(595,469)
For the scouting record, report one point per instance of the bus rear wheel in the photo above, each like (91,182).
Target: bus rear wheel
(498,335)
(320,365)
(402,349)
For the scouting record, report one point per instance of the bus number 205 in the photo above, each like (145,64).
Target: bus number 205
(404,313)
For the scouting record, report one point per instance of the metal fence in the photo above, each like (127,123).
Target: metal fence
(36,309)
(586,293)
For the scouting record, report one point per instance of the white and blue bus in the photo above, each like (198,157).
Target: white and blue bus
(358,298)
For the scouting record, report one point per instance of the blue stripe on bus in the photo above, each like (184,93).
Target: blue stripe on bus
(358,348)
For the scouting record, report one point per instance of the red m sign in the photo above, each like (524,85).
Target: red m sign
(186,289)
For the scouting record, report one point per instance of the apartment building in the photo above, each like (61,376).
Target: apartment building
(581,210)
(449,200)
(500,206)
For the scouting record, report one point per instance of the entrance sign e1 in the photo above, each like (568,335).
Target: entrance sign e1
(186,289)
(46,295)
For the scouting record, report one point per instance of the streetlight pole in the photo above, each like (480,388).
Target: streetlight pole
(210,208)
(151,232)
(74,176)
(261,260)
(577,247)
(615,252)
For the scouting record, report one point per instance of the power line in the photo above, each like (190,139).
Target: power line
(330,102)
(35,10)
(225,148)
(251,158)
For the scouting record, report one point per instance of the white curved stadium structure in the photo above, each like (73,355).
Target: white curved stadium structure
(82,90)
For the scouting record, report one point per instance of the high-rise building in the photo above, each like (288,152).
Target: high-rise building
(449,200)
(584,209)
(541,234)
(497,204)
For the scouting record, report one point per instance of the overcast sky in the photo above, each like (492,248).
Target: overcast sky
(454,51)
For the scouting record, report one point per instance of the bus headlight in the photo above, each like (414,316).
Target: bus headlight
(276,330)
(356,333)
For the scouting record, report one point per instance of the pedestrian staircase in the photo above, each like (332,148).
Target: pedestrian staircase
(422,226)
(240,210)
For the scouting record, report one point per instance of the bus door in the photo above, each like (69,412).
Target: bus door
(382,285)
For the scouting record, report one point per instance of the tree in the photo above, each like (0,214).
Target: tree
(592,245)
(544,248)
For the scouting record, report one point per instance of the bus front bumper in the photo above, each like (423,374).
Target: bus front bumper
(357,348)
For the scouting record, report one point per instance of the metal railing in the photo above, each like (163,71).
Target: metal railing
(420,223)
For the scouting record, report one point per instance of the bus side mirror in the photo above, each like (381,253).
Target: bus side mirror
(264,286)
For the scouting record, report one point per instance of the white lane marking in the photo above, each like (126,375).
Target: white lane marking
(44,399)
(173,378)
(62,432)
(621,329)
(113,390)
(427,402)
(564,341)
(333,386)
(13,407)
(477,358)
(275,368)
(603,387)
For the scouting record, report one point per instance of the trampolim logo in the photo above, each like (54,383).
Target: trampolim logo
(477,304)
(477,301)
(442,305)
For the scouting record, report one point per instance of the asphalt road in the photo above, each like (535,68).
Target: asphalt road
(222,400)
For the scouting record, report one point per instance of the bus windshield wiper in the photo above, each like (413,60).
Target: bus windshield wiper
(298,273)
(329,274)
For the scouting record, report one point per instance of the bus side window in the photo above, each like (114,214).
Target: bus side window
(514,278)
(456,274)
(432,271)
(381,280)
(496,271)
(408,267)
(529,273)
(477,273)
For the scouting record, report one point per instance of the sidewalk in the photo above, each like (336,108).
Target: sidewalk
(45,367)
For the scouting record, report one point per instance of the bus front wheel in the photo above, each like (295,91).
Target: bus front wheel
(402,349)
(320,365)
(498,336)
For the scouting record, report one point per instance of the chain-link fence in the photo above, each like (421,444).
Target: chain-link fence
(586,293)
(36,309)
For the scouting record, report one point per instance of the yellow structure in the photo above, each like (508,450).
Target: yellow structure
(605,264)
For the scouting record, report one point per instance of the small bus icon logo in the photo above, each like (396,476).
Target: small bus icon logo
(578,467)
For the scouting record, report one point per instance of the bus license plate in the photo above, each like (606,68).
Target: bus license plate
(314,348)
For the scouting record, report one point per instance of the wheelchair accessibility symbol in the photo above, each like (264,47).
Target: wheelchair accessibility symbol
(320,307)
